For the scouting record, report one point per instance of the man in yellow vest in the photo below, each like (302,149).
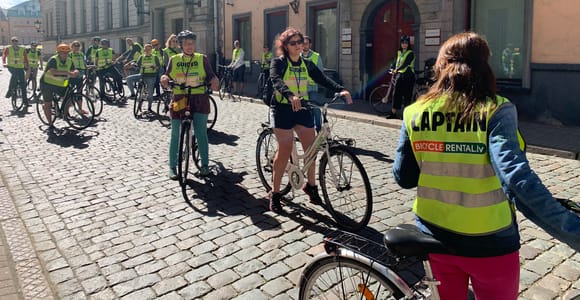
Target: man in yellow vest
(105,67)
(314,57)
(35,62)
(15,59)
(239,68)
(55,79)
(130,56)
(158,52)
(148,66)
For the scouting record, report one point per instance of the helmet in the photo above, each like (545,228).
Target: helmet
(33,43)
(96,38)
(154,42)
(185,35)
(406,38)
(63,48)
(104,42)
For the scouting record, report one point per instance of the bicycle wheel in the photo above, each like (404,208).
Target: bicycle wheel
(138,103)
(184,152)
(261,84)
(346,188)
(213,111)
(195,152)
(222,88)
(266,148)
(42,116)
(336,277)
(163,109)
(79,111)
(379,99)
(93,93)
(109,89)
(18,102)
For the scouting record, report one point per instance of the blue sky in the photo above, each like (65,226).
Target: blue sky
(10,3)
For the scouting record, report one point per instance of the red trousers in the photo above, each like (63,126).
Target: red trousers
(492,278)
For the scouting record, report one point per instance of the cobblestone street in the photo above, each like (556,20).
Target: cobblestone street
(92,214)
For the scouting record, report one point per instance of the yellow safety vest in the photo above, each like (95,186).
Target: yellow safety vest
(15,60)
(236,53)
(78,59)
(296,78)
(148,64)
(33,58)
(314,57)
(93,54)
(57,80)
(105,58)
(137,53)
(266,58)
(458,189)
(401,57)
(188,71)
(159,55)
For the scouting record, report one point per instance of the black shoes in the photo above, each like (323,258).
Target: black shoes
(275,205)
(392,116)
(312,192)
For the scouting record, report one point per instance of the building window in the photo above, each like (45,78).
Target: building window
(95,15)
(83,20)
(324,32)
(109,15)
(125,13)
(503,23)
(242,32)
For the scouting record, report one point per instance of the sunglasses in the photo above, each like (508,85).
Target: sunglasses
(294,43)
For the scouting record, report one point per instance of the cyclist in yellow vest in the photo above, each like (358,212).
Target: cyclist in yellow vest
(15,59)
(130,56)
(148,66)
(290,74)
(192,69)
(404,71)
(55,78)
(158,52)
(104,63)
(313,56)
(78,58)
(91,53)
(171,48)
(460,146)
(239,68)
(35,62)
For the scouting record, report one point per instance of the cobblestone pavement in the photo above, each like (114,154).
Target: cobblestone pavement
(91,214)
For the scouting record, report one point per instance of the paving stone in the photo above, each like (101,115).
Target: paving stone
(94,285)
(143,294)
(121,276)
(221,279)
(174,270)
(253,295)
(276,286)
(136,284)
(150,267)
(200,273)
(170,284)
(248,283)
(226,292)
(195,290)
(275,271)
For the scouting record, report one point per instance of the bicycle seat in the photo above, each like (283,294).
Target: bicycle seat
(408,240)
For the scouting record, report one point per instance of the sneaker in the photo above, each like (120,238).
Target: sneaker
(275,205)
(172,174)
(312,192)
(204,171)
(391,116)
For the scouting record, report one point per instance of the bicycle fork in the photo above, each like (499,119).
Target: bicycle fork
(430,280)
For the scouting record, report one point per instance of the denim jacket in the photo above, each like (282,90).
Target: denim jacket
(520,184)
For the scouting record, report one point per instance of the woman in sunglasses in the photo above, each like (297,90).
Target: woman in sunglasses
(290,75)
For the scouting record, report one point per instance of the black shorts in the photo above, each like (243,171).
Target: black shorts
(238,75)
(282,116)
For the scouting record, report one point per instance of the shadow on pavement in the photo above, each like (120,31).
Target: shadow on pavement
(217,137)
(374,154)
(220,194)
(66,137)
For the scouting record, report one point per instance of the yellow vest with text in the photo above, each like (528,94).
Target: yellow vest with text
(148,64)
(458,189)
(292,77)
(104,58)
(33,58)
(401,57)
(78,59)
(188,71)
(58,80)
(15,59)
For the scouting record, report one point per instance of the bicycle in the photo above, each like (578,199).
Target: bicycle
(19,102)
(32,85)
(226,82)
(163,108)
(113,92)
(141,95)
(354,267)
(343,180)
(91,90)
(262,82)
(76,109)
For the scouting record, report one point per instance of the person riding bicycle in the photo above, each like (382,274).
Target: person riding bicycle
(15,59)
(78,58)
(130,56)
(91,53)
(190,69)
(460,146)
(171,48)
(290,75)
(314,57)
(238,69)
(105,67)
(35,62)
(55,78)
(148,66)
(404,71)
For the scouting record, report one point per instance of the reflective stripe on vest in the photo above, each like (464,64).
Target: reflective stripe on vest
(148,64)
(78,59)
(104,58)
(458,189)
(58,80)
(188,71)
(401,57)
(15,60)
(292,82)
(33,58)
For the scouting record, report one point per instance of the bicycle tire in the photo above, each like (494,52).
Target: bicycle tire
(338,277)
(184,152)
(79,111)
(18,101)
(266,147)
(163,114)
(138,103)
(195,156)
(222,89)
(93,93)
(261,84)
(109,91)
(42,116)
(213,112)
(32,86)
(376,99)
(349,198)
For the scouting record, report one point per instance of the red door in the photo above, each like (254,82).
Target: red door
(393,19)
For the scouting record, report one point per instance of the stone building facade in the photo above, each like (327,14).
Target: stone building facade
(19,20)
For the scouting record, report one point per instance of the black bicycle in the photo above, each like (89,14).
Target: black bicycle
(89,88)
(226,82)
(75,108)
(19,103)
(262,82)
